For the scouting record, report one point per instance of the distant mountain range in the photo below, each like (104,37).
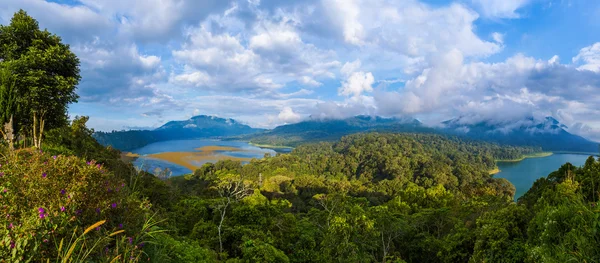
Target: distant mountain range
(197,127)
(333,129)
(547,133)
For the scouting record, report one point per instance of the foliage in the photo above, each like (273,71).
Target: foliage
(45,200)
(45,74)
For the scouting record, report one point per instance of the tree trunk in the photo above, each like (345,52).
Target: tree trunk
(41,130)
(34,129)
(221,225)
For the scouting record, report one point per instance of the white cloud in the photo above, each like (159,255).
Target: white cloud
(409,28)
(589,57)
(287,115)
(500,8)
(498,37)
(357,83)
(269,62)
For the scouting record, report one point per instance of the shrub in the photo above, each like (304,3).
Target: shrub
(47,200)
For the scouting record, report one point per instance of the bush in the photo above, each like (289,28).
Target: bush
(47,200)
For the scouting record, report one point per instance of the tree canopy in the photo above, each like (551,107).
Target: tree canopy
(39,74)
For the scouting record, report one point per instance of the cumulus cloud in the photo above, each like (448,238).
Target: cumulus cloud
(268,57)
(589,57)
(357,82)
(287,115)
(272,62)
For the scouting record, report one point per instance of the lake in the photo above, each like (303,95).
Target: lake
(524,173)
(183,156)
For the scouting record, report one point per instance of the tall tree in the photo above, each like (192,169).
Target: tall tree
(45,72)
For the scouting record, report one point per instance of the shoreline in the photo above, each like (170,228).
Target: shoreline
(494,171)
(268,146)
(526,156)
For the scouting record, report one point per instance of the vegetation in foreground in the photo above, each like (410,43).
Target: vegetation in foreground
(365,198)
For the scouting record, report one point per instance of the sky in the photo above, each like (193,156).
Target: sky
(268,62)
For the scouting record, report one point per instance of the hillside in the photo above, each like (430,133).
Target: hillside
(201,126)
(333,129)
(547,133)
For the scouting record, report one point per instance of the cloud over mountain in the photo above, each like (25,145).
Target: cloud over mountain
(273,62)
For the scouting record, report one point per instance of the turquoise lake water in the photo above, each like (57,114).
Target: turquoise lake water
(149,164)
(524,173)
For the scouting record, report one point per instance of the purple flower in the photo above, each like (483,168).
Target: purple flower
(10,226)
(98,210)
(5,190)
(62,191)
(42,216)
(41,210)
(130,240)
(62,208)
(114,205)
(12,244)
(45,240)
(44,175)
(78,212)
(54,157)
(88,163)
(141,244)
(120,225)
(98,166)
(123,185)
(97,228)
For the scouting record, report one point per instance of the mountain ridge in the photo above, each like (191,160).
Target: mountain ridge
(201,126)
(547,133)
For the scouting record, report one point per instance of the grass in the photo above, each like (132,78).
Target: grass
(533,155)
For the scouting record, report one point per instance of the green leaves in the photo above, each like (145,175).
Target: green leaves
(44,71)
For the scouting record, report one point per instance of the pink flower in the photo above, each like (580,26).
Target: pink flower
(62,208)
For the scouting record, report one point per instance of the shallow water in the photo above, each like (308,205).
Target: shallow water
(524,173)
(147,163)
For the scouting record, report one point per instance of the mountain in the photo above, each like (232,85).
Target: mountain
(197,127)
(547,133)
(332,129)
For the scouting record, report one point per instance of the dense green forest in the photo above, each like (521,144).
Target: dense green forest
(365,198)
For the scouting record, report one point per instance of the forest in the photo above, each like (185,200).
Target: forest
(376,197)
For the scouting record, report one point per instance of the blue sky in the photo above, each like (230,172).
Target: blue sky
(268,62)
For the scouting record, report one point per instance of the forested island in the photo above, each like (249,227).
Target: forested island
(371,197)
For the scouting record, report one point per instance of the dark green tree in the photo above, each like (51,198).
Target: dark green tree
(45,74)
